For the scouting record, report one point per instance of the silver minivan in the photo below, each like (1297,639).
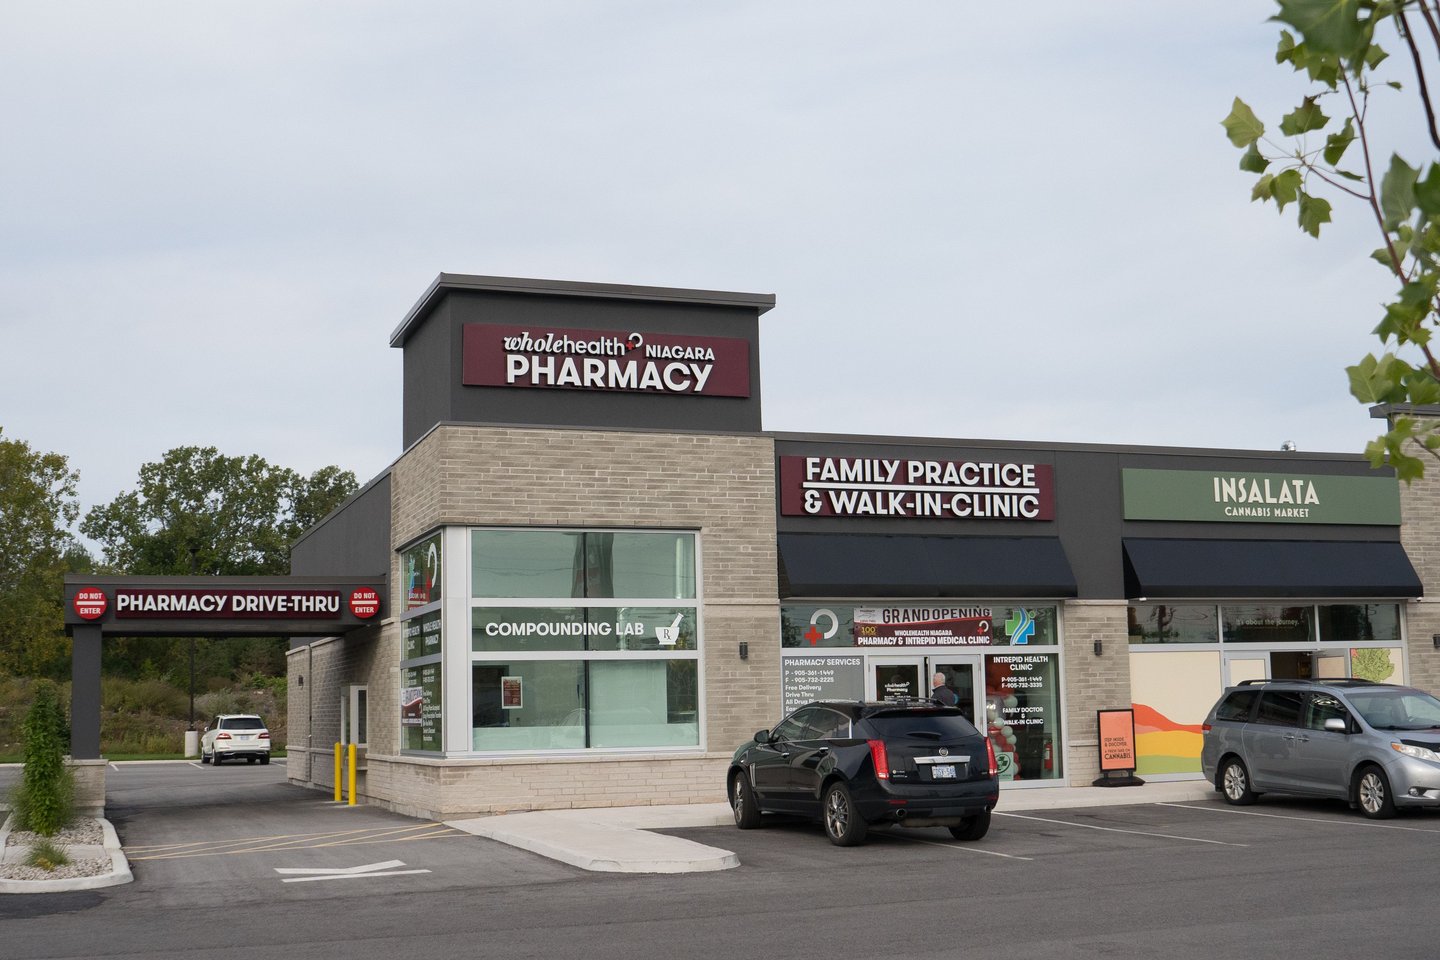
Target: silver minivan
(1376,745)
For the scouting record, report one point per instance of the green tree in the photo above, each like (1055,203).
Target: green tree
(37,507)
(197,511)
(1335,43)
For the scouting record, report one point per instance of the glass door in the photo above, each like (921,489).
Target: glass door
(1247,665)
(894,678)
(958,680)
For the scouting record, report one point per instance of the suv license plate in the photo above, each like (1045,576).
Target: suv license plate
(943,771)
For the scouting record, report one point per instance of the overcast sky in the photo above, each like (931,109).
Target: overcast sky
(993,221)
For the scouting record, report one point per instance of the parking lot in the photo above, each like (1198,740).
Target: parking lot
(234,862)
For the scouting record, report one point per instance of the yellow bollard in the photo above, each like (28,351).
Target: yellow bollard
(337,771)
(352,774)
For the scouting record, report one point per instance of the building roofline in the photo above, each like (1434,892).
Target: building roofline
(445,282)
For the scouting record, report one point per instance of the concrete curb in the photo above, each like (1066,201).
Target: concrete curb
(579,840)
(119,868)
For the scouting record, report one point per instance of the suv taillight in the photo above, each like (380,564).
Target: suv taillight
(222,736)
(880,759)
(264,734)
(990,755)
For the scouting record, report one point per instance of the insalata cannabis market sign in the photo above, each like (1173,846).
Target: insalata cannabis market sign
(1226,497)
(934,489)
(617,360)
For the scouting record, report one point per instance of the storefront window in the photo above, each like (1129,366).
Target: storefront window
(1268,624)
(1022,714)
(1173,623)
(420,707)
(1359,622)
(817,626)
(568,704)
(587,596)
(1380,664)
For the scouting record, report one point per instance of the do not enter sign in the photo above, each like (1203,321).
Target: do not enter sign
(90,603)
(365,603)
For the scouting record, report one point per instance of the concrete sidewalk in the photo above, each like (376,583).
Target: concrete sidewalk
(618,839)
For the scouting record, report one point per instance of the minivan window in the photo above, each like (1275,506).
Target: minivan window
(1237,705)
(1394,710)
(1320,707)
(1281,707)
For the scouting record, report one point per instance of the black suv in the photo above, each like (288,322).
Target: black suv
(851,765)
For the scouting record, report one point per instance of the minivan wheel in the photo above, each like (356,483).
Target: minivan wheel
(742,802)
(972,828)
(843,824)
(1372,792)
(1235,783)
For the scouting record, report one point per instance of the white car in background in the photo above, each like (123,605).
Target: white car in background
(235,735)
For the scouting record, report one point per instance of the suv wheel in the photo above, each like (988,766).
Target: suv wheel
(215,758)
(1235,782)
(264,759)
(843,824)
(972,828)
(1372,792)
(742,802)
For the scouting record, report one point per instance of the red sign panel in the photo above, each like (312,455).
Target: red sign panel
(365,603)
(928,489)
(195,603)
(90,603)
(922,626)
(1117,739)
(615,360)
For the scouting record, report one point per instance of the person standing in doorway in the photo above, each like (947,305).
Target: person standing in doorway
(941,692)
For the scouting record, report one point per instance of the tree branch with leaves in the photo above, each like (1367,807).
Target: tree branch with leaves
(1334,43)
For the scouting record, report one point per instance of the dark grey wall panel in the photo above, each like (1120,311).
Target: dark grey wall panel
(434,392)
(354,541)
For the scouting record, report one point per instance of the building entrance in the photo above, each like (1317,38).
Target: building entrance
(895,677)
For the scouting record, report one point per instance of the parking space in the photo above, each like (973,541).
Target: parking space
(199,835)
(1198,832)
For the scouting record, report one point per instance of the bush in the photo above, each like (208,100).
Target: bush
(47,855)
(45,797)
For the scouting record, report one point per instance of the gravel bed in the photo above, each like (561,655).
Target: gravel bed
(83,830)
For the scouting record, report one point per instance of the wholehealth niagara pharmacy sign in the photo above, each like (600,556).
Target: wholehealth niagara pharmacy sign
(627,361)
(1226,497)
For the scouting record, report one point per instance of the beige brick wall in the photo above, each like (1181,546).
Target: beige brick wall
(1092,683)
(330,668)
(722,486)
(1420,533)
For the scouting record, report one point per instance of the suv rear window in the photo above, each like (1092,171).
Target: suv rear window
(911,722)
(242,723)
(1237,705)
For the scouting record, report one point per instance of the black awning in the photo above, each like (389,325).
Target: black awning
(1268,568)
(873,565)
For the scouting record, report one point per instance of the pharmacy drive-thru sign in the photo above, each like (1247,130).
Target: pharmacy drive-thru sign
(97,607)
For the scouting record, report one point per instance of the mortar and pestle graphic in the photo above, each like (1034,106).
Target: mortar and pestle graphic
(669,636)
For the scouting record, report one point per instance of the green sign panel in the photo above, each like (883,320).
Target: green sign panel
(1226,497)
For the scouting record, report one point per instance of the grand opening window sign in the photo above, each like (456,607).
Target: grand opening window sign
(629,361)
(936,489)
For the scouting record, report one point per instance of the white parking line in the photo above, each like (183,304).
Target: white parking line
(346,873)
(1141,833)
(1281,816)
(956,846)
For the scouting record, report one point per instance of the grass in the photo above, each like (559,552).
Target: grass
(47,855)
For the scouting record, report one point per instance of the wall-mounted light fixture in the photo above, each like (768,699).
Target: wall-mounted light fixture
(745,651)
(1099,647)
(1435,639)
(299,680)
